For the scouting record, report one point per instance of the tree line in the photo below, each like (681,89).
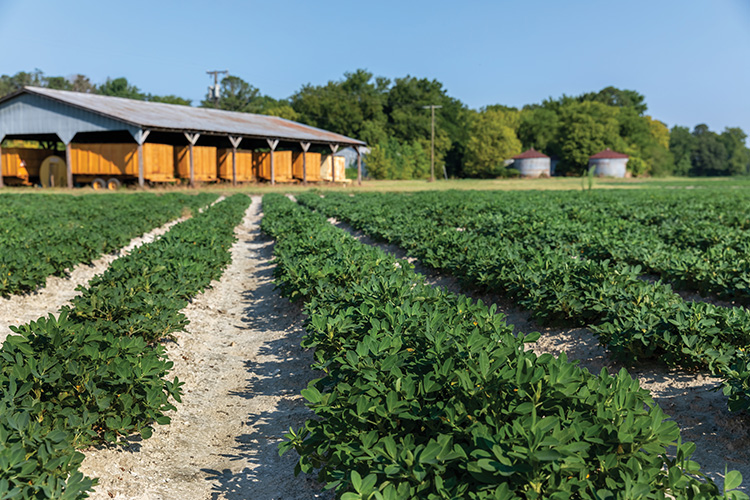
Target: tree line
(392,117)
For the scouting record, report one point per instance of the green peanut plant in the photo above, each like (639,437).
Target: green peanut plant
(426,394)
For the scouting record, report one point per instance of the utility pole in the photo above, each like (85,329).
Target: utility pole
(214,90)
(432,108)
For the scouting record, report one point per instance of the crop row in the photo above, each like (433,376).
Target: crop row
(95,373)
(635,319)
(44,235)
(699,255)
(701,249)
(429,395)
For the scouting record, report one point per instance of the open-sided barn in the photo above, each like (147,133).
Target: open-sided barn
(110,140)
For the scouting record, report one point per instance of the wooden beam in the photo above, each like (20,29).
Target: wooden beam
(192,139)
(2,184)
(334,148)
(141,181)
(272,143)
(69,163)
(192,167)
(235,143)
(359,165)
(305,147)
(140,139)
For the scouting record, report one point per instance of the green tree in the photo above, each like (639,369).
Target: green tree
(282,110)
(613,96)
(585,129)
(681,145)
(738,155)
(394,160)
(709,155)
(168,99)
(57,83)
(236,95)
(410,121)
(352,106)
(119,87)
(81,83)
(646,141)
(539,129)
(10,84)
(492,140)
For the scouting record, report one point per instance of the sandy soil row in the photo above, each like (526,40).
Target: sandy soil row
(243,371)
(720,436)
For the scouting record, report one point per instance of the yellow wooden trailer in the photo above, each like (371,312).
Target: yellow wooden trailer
(245,168)
(282,165)
(204,163)
(340,165)
(20,165)
(313,166)
(110,164)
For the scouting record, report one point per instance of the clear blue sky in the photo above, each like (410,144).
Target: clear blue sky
(690,58)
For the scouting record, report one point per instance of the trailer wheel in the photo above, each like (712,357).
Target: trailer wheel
(114,184)
(98,184)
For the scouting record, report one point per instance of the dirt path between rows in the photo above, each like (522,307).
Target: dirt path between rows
(243,369)
(720,436)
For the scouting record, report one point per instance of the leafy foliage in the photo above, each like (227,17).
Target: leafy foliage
(47,235)
(429,395)
(94,374)
(492,140)
(571,260)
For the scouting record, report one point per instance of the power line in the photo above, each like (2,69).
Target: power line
(432,108)
(214,90)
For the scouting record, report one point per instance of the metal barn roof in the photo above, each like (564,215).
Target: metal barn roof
(141,115)
(530,153)
(608,154)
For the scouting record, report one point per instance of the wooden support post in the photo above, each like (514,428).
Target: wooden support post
(359,165)
(69,163)
(305,147)
(141,138)
(192,139)
(272,143)
(334,148)
(2,184)
(235,143)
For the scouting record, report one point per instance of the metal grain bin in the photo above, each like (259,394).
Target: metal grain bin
(244,159)
(204,162)
(282,165)
(609,163)
(313,166)
(532,163)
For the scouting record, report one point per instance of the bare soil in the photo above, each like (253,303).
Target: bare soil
(243,369)
(690,399)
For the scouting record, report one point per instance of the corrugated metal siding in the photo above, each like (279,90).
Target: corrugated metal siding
(609,167)
(32,114)
(533,166)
